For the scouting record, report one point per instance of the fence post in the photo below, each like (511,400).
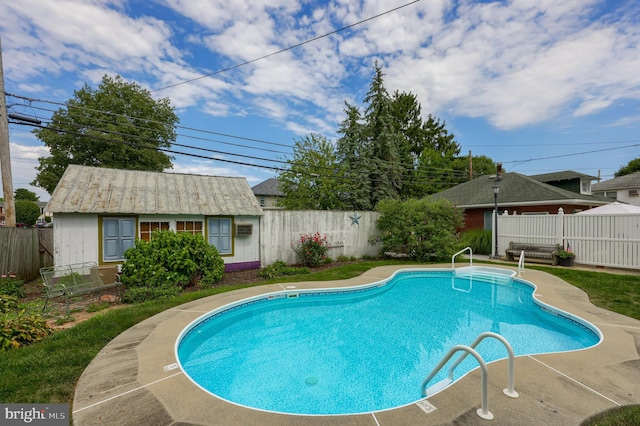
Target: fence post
(560,227)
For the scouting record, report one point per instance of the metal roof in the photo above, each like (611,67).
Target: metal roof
(85,189)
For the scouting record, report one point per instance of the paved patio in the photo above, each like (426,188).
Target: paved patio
(132,381)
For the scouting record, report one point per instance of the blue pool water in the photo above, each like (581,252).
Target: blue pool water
(366,350)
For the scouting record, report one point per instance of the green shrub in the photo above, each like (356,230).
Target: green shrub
(344,258)
(311,249)
(8,303)
(279,269)
(18,329)
(12,286)
(478,239)
(424,230)
(168,263)
(27,212)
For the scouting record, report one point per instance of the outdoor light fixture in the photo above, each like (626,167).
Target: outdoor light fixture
(496,189)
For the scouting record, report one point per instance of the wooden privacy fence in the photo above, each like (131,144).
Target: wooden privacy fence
(611,240)
(24,251)
(347,232)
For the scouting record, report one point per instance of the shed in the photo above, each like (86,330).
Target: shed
(101,212)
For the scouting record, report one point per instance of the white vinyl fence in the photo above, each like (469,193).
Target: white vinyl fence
(348,233)
(611,240)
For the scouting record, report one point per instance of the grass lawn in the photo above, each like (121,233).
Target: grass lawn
(46,372)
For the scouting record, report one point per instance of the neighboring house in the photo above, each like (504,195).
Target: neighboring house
(625,189)
(517,194)
(268,193)
(569,180)
(100,213)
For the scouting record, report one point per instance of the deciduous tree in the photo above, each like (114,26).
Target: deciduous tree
(117,125)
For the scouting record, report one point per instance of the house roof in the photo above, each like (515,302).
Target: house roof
(515,190)
(630,181)
(269,187)
(113,191)
(558,176)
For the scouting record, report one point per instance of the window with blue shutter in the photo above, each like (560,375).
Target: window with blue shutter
(220,234)
(118,234)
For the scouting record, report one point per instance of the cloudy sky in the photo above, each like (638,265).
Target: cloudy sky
(540,86)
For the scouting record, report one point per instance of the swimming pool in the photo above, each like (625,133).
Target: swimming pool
(368,348)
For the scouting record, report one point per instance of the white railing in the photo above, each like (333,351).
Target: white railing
(453,258)
(483,411)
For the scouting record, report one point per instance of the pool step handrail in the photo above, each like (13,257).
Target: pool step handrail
(453,258)
(521,264)
(483,412)
(510,391)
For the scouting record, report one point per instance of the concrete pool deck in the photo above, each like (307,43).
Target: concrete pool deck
(133,379)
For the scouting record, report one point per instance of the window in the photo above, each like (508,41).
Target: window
(146,228)
(192,227)
(118,234)
(585,187)
(263,202)
(220,234)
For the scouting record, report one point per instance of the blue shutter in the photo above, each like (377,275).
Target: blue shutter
(220,234)
(118,235)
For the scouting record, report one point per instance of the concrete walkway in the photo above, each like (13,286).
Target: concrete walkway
(133,380)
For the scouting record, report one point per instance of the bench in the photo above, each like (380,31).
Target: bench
(533,251)
(68,281)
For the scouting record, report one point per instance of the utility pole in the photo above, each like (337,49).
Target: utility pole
(5,155)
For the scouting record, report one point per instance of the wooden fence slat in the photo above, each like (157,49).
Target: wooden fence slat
(21,253)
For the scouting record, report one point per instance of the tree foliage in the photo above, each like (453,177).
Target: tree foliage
(632,167)
(117,125)
(423,229)
(312,180)
(25,194)
(27,212)
(386,150)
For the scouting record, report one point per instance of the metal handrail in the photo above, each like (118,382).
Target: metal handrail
(521,264)
(483,412)
(453,265)
(510,391)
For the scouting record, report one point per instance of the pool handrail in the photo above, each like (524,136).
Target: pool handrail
(521,264)
(510,391)
(453,264)
(483,411)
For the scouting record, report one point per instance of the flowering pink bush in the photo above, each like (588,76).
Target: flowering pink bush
(311,249)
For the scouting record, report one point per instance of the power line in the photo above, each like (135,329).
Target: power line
(285,49)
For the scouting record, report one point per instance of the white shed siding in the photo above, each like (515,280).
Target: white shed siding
(246,248)
(75,238)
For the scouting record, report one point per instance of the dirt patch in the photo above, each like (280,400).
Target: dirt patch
(88,306)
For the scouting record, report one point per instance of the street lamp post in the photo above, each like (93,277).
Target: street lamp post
(496,189)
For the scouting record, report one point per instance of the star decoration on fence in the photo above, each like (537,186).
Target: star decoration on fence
(355,218)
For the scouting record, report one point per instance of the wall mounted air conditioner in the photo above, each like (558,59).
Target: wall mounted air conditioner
(244,229)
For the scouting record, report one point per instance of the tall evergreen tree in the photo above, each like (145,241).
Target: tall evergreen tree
(384,141)
(353,154)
